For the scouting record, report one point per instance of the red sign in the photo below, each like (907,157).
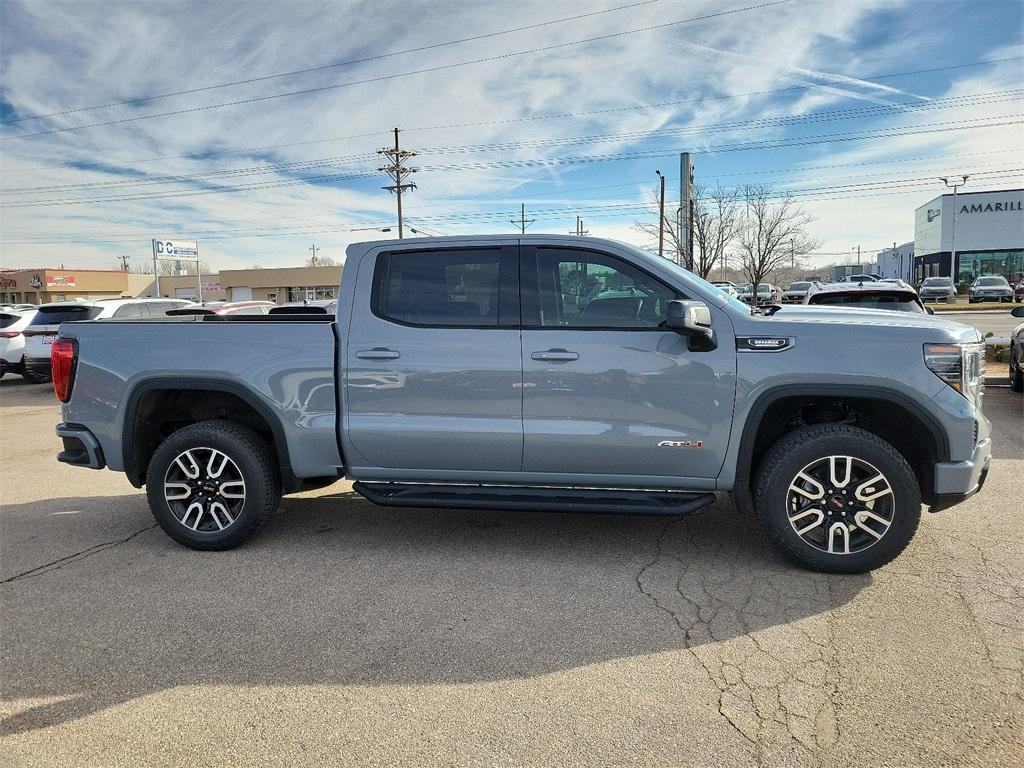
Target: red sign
(60,281)
(7,282)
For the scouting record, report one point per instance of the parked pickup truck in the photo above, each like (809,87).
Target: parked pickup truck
(543,372)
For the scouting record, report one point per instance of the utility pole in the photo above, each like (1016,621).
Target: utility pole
(124,261)
(398,172)
(580,231)
(792,254)
(684,224)
(523,222)
(955,185)
(661,216)
(313,250)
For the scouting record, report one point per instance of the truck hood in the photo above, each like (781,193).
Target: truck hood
(875,320)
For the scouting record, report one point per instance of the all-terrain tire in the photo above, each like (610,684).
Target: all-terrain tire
(800,450)
(219,521)
(1016,375)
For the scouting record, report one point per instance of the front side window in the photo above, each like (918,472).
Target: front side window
(440,288)
(587,289)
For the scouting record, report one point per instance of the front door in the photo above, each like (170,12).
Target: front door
(433,372)
(609,396)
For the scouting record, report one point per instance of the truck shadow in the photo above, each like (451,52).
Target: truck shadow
(338,592)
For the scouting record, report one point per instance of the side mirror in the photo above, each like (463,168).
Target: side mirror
(692,319)
(1017,312)
(929,310)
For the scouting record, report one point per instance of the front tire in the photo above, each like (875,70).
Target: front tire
(1016,375)
(211,485)
(838,499)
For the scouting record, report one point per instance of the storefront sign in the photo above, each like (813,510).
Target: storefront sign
(8,282)
(60,281)
(175,249)
(1004,207)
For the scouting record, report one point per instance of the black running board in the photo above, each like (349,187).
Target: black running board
(532,498)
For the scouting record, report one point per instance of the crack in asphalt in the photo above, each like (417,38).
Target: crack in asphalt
(775,664)
(60,562)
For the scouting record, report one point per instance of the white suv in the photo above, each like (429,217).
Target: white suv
(12,340)
(43,329)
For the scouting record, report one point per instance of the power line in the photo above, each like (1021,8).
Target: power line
(333,65)
(557,116)
(382,78)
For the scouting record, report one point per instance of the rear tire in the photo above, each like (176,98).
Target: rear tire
(821,522)
(211,485)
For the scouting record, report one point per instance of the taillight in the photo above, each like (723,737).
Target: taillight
(9,334)
(63,356)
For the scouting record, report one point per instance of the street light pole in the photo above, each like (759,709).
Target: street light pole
(955,185)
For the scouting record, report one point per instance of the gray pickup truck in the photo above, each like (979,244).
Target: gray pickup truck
(546,372)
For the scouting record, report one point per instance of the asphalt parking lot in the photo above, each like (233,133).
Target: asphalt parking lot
(349,634)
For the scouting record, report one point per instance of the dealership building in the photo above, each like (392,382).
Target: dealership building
(971,234)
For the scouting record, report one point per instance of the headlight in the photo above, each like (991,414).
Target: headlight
(959,365)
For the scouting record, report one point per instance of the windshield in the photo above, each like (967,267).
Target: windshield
(902,302)
(798,286)
(991,281)
(942,281)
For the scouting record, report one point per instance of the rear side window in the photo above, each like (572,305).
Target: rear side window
(8,320)
(450,288)
(69,314)
(129,311)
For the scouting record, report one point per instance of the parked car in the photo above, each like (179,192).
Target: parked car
(1018,291)
(877,295)
(862,278)
(42,330)
(766,294)
(1017,353)
(795,293)
(324,307)
(460,379)
(12,341)
(223,308)
(937,289)
(17,307)
(727,287)
(990,288)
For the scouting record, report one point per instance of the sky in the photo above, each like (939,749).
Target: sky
(253,127)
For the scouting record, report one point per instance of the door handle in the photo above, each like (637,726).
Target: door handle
(555,356)
(377,353)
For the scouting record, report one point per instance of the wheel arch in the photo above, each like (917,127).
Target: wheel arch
(244,405)
(884,412)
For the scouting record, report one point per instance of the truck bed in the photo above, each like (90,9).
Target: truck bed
(282,366)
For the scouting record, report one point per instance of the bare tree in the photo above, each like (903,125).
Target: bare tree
(773,231)
(716,225)
(168,267)
(322,261)
(716,220)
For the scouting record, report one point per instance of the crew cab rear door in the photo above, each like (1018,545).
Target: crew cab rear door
(433,371)
(610,396)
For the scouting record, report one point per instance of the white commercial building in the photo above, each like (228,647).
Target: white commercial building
(897,261)
(982,233)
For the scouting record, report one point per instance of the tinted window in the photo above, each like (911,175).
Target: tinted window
(799,286)
(129,311)
(991,281)
(590,289)
(8,320)
(938,281)
(897,301)
(439,288)
(67,314)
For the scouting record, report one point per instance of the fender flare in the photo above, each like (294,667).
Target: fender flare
(202,383)
(745,452)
